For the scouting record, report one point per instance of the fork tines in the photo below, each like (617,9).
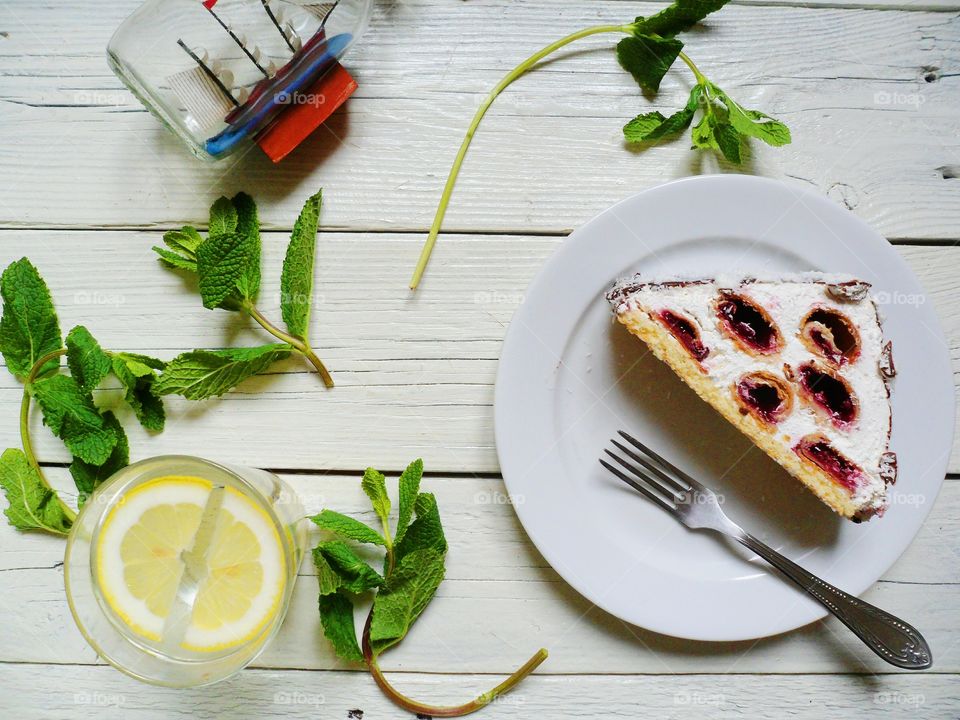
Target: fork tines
(656,478)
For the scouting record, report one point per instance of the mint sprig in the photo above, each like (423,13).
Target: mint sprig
(94,437)
(647,53)
(227,265)
(413,561)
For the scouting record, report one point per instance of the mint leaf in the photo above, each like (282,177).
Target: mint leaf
(136,374)
(29,328)
(702,135)
(223,261)
(347,527)
(754,123)
(202,374)
(248,225)
(648,58)
(33,505)
(374,484)
(223,217)
(653,126)
(407,592)
(87,361)
(174,260)
(70,414)
(426,532)
(680,16)
(336,616)
(139,364)
(228,261)
(409,489)
(355,575)
(186,240)
(87,476)
(183,246)
(296,281)
(729,141)
(328,578)
(642,127)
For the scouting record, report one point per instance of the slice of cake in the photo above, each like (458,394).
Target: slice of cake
(799,364)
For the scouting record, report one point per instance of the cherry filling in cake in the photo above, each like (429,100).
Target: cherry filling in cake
(748,323)
(821,453)
(684,330)
(830,334)
(830,392)
(765,396)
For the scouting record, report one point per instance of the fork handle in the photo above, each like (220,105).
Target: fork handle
(889,637)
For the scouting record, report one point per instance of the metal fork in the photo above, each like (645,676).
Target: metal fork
(697,507)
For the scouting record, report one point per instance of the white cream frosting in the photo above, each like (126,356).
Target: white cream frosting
(788,300)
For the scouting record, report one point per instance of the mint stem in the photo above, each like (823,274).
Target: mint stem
(35,372)
(443,711)
(701,79)
(298,344)
(481,111)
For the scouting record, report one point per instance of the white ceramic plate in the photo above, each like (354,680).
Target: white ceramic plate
(569,377)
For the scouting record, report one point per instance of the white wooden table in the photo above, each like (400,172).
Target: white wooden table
(89,180)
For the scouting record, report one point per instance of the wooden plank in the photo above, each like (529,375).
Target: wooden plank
(415,373)
(501,601)
(103,693)
(874,134)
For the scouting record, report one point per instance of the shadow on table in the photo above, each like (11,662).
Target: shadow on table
(249,169)
(720,657)
(760,495)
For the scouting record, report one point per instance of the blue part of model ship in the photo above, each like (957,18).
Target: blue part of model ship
(273,95)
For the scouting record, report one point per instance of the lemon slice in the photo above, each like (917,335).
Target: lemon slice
(245,579)
(174,545)
(142,538)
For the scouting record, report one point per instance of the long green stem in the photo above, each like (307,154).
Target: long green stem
(297,343)
(701,79)
(444,711)
(481,111)
(25,441)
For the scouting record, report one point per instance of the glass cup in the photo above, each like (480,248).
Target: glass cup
(226,510)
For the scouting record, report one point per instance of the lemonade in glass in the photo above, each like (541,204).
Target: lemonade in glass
(179,570)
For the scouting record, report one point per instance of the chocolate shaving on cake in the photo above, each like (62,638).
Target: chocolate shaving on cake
(625,287)
(887,368)
(888,467)
(849,291)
